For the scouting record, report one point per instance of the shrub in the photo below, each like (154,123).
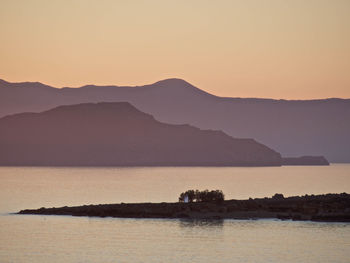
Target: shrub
(202,196)
(278,196)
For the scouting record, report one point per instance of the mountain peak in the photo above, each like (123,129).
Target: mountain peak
(174,85)
(173,82)
(27,84)
(100,107)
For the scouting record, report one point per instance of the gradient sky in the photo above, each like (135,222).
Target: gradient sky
(295,49)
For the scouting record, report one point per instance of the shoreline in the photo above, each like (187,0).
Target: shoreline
(322,208)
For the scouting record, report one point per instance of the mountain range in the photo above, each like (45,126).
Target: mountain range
(291,127)
(118,134)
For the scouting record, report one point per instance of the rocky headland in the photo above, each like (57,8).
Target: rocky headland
(305,160)
(326,208)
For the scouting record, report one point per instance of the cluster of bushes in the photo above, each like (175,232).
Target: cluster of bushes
(202,196)
(278,196)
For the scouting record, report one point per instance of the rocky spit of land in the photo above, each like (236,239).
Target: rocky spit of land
(327,208)
(305,160)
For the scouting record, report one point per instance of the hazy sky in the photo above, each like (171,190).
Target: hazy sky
(280,49)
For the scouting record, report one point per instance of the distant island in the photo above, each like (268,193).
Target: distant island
(326,208)
(290,127)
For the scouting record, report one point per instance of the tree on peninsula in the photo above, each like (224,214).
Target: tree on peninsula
(201,196)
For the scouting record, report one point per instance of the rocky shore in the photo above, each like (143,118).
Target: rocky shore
(326,208)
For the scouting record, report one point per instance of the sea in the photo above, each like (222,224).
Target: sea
(42,239)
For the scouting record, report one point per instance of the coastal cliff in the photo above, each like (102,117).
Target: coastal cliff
(329,207)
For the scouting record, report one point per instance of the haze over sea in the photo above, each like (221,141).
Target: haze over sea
(39,239)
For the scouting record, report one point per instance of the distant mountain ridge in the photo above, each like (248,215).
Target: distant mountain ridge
(291,127)
(118,134)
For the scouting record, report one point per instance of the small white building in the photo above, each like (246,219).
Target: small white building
(186,199)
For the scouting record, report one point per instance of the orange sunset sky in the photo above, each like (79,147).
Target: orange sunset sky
(293,49)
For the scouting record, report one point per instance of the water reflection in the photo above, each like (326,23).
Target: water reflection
(189,223)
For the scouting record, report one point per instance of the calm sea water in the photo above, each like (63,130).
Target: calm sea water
(26,238)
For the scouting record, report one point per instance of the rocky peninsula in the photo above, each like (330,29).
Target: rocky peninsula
(305,160)
(326,208)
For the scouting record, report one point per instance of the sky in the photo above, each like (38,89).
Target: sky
(292,49)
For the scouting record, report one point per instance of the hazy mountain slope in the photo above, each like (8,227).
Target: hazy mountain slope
(294,128)
(119,134)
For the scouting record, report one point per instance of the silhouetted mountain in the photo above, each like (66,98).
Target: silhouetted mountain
(119,134)
(293,128)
